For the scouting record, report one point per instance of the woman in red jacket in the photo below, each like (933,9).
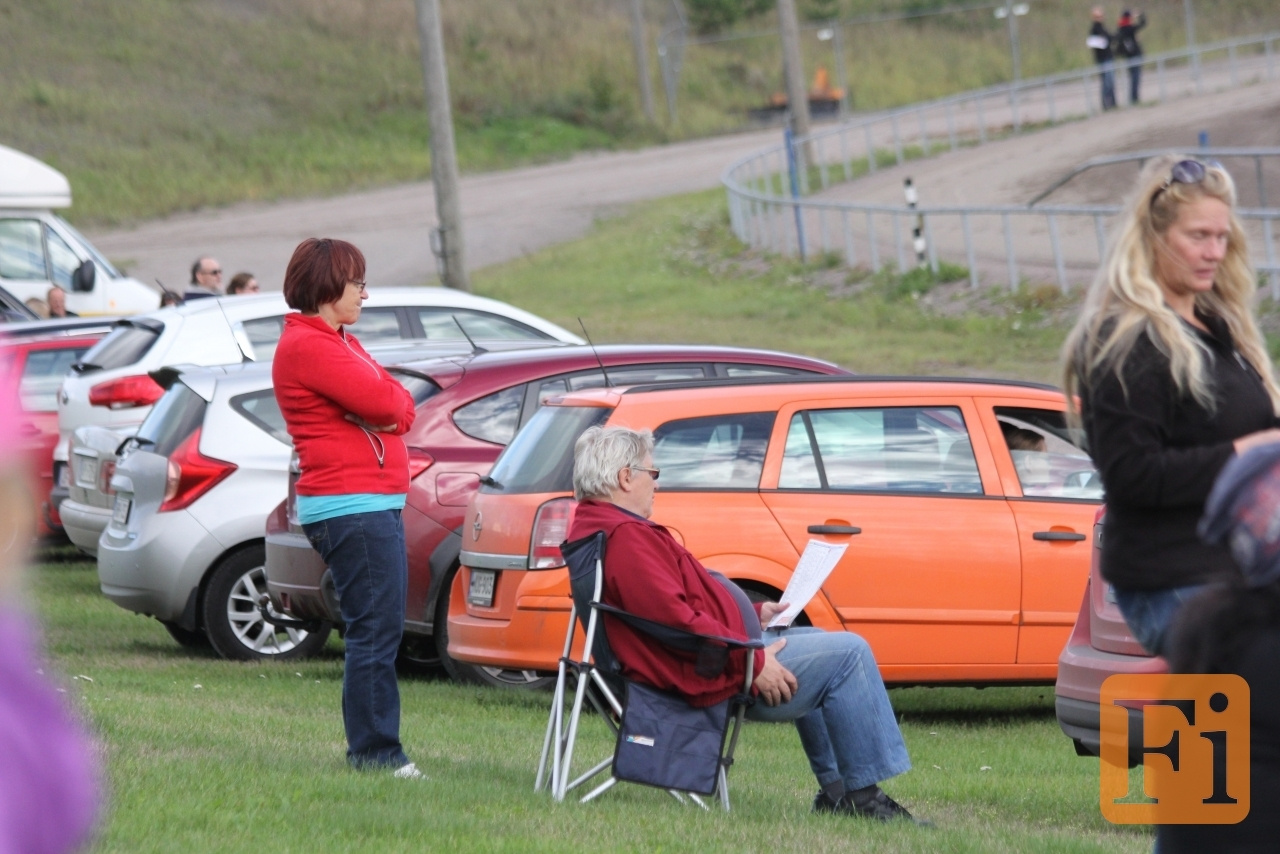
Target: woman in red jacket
(346,416)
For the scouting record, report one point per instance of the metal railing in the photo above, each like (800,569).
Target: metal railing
(771,205)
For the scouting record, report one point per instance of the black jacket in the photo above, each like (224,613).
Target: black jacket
(1101,55)
(1127,37)
(1158,454)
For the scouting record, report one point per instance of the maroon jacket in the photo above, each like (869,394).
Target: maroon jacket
(649,574)
(320,375)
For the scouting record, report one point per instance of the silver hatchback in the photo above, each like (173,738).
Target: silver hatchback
(184,543)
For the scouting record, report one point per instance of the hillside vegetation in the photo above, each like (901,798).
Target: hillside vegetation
(156,106)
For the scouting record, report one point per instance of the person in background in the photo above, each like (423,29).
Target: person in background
(242,283)
(1173,378)
(57,300)
(827,683)
(38,306)
(1099,40)
(1127,46)
(1234,627)
(49,779)
(206,279)
(346,416)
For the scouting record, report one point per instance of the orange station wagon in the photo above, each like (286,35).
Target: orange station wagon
(967,507)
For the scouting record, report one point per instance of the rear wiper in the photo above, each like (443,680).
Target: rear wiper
(85,367)
(488,481)
(138,440)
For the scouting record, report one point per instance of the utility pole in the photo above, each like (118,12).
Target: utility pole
(446,242)
(793,70)
(1189,15)
(642,58)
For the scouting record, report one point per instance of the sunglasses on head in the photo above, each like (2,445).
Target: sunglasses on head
(1187,172)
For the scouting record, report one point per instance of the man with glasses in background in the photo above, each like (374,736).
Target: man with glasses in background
(206,279)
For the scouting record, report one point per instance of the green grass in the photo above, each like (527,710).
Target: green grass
(157,106)
(208,755)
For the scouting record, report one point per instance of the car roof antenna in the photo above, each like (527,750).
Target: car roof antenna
(585,334)
(475,348)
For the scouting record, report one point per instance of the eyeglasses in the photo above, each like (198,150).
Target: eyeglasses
(217,272)
(363,287)
(1187,172)
(653,473)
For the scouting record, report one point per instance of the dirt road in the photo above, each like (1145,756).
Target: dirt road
(508,214)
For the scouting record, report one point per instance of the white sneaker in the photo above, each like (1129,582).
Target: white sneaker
(409,772)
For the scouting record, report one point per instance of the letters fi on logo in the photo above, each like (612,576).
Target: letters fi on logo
(1192,732)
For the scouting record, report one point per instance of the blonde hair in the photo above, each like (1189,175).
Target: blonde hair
(1125,300)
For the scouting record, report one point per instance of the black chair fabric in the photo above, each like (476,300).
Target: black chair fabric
(667,743)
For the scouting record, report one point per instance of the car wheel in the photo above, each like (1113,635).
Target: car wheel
(418,655)
(185,637)
(233,623)
(461,671)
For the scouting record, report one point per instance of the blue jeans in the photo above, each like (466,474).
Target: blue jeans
(1149,613)
(366,554)
(1135,78)
(841,710)
(1108,76)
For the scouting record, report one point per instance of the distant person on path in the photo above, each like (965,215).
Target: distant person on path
(1100,41)
(1174,380)
(49,779)
(1127,46)
(206,279)
(242,283)
(57,300)
(346,416)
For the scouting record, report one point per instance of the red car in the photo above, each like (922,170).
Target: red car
(31,372)
(477,403)
(1100,645)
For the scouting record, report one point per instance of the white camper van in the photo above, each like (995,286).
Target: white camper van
(39,249)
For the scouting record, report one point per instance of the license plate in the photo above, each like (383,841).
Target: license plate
(481,592)
(120,513)
(87,473)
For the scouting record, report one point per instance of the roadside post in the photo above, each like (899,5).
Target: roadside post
(918,242)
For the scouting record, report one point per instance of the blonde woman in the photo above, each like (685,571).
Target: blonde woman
(1173,380)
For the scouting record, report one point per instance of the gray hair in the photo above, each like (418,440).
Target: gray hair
(600,453)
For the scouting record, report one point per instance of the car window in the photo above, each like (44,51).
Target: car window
(492,418)
(42,377)
(21,250)
(420,388)
(263,334)
(442,324)
(263,412)
(377,324)
(550,388)
(540,458)
(898,449)
(713,452)
(734,370)
(1047,455)
(124,345)
(62,259)
(175,416)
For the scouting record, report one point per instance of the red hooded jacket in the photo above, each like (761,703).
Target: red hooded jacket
(649,574)
(320,375)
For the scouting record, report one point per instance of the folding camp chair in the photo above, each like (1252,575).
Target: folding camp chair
(660,740)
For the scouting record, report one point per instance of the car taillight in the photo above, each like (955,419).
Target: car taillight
(105,471)
(550,527)
(419,461)
(126,392)
(191,474)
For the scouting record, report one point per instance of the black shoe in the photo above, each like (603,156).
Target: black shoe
(880,807)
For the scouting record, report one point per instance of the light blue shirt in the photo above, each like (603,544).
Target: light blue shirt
(317,508)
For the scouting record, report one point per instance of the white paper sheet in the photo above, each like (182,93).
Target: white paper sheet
(815,565)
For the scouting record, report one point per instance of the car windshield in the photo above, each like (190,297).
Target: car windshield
(124,345)
(175,417)
(540,458)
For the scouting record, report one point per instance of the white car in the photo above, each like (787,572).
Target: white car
(87,508)
(111,386)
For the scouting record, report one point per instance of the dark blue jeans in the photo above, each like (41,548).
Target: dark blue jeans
(1150,613)
(366,554)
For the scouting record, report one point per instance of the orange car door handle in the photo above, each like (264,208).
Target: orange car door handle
(1069,536)
(834,529)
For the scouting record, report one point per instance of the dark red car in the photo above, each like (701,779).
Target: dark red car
(476,404)
(31,372)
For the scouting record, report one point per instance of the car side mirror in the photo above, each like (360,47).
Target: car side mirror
(83,278)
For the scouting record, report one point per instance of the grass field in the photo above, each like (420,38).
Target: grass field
(157,106)
(206,755)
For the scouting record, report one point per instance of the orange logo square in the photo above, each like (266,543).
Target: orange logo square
(1191,733)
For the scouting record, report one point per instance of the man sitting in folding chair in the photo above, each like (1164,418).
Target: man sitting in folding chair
(826,682)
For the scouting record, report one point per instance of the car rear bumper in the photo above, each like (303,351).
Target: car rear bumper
(153,571)
(84,524)
(296,579)
(533,637)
